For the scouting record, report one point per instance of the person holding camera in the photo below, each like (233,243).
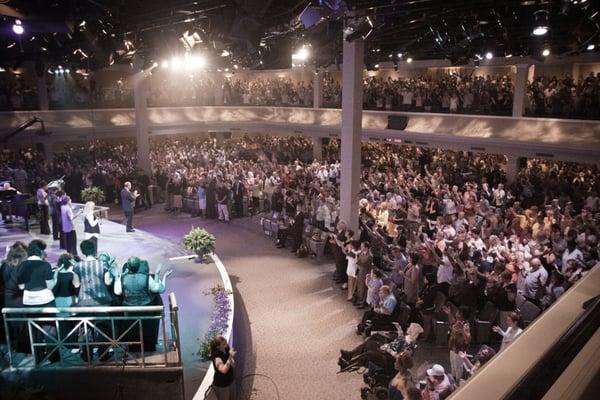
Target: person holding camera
(223,362)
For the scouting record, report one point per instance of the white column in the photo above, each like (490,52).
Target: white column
(317,148)
(520,90)
(512,167)
(353,60)
(318,90)
(140,99)
(42,92)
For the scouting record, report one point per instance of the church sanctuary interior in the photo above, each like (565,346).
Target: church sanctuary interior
(299,200)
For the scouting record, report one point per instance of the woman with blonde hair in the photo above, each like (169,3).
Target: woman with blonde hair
(91,226)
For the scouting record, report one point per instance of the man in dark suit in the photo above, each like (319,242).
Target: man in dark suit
(128,204)
(238,197)
(297,228)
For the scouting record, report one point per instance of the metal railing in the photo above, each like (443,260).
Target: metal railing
(69,336)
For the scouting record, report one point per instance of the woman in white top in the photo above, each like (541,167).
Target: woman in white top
(351,249)
(91,227)
(511,332)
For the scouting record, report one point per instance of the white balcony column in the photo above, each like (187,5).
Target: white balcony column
(513,164)
(353,59)
(318,89)
(142,134)
(317,148)
(520,94)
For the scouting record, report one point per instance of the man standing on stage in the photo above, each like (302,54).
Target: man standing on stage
(128,204)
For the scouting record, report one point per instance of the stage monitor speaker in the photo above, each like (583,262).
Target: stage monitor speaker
(398,122)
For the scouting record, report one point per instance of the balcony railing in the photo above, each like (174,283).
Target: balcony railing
(69,335)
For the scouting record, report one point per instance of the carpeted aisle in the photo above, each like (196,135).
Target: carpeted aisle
(297,319)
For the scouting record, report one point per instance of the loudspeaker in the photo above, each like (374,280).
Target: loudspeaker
(398,122)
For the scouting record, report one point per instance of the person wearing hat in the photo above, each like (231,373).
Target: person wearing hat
(439,384)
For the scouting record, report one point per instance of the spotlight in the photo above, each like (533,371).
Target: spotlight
(225,53)
(57,71)
(376,66)
(302,54)
(67,70)
(18,27)
(155,64)
(164,64)
(546,52)
(541,23)
(235,66)
(176,63)
(399,55)
(508,55)
(409,60)
(591,46)
(489,55)
(82,24)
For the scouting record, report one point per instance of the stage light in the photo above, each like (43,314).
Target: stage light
(546,52)
(409,60)
(67,70)
(591,46)
(176,63)
(2,69)
(376,66)
(57,71)
(155,65)
(225,53)
(541,23)
(302,54)
(235,66)
(508,55)
(399,55)
(164,64)
(18,27)
(82,24)
(489,55)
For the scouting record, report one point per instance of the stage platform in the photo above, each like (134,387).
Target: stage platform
(188,281)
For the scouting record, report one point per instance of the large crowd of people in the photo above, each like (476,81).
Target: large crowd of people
(562,97)
(268,92)
(565,97)
(442,236)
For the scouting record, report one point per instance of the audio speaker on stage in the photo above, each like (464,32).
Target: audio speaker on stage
(398,122)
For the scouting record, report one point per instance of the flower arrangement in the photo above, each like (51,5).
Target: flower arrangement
(94,194)
(219,319)
(199,241)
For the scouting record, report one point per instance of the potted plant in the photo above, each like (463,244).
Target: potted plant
(94,194)
(199,241)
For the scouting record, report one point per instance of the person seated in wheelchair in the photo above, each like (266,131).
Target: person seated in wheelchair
(382,312)
(381,349)
(395,384)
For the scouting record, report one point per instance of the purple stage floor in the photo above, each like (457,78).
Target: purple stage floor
(188,281)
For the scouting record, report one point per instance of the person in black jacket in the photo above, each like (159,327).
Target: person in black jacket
(238,197)
(297,228)
(128,204)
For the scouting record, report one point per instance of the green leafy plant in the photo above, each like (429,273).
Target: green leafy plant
(94,194)
(199,241)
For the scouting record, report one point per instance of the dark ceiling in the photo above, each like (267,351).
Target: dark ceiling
(251,31)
